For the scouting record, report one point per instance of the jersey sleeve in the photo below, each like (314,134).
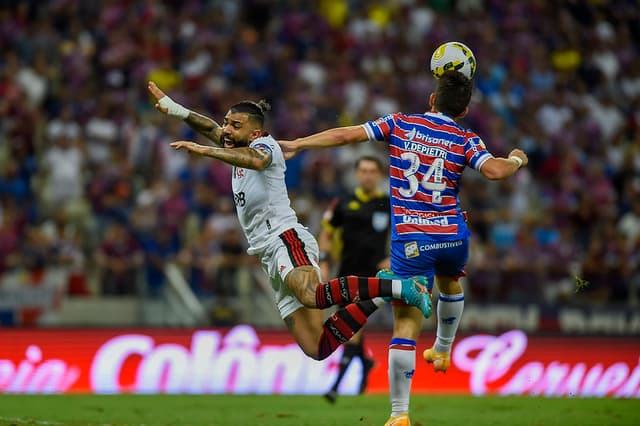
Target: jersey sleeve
(265,144)
(381,128)
(475,151)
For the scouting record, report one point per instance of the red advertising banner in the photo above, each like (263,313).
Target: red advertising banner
(245,360)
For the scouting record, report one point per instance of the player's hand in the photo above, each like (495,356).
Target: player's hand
(289,148)
(157,94)
(189,146)
(520,154)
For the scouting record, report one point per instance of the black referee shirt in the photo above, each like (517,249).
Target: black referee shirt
(365,227)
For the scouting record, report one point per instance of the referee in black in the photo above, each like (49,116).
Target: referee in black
(355,228)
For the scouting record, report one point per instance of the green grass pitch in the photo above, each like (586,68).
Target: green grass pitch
(285,410)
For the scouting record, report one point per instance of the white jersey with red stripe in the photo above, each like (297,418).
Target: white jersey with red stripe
(261,198)
(427,155)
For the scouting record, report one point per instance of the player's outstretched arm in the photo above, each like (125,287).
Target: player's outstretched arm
(245,157)
(329,138)
(203,125)
(501,168)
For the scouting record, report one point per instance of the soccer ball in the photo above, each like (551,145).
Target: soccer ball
(455,56)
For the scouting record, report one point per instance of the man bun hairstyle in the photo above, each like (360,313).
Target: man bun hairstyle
(255,110)
(453,93)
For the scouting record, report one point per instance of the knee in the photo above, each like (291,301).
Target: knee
(406,330)
(303,281)
(407,323)
(307,299)
(449,285)
(450,288)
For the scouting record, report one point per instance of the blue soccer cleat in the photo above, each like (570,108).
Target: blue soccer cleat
(414,290)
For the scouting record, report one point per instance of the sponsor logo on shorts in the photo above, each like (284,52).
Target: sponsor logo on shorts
(442,245)
(411,250)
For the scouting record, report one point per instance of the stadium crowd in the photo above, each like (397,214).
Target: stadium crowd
(89,183)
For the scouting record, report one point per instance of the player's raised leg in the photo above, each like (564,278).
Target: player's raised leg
(319,339)
(304,283)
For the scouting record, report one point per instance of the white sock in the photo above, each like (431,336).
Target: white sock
(450,307)
(402,364)
(396,288)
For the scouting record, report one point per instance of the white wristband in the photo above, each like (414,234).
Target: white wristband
(174,109)
(517,160)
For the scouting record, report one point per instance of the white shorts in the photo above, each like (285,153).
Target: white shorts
(294,247)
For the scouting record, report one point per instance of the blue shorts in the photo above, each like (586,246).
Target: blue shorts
(429,258)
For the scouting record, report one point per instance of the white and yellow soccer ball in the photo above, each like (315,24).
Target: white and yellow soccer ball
(455,56)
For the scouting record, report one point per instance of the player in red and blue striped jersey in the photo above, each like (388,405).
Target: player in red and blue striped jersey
(428,153)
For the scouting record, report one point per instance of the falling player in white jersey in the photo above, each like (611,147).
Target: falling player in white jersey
(287,251)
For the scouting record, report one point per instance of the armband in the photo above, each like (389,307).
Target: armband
(174,109)
(517,160)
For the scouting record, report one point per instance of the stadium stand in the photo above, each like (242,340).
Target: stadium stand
(94,204)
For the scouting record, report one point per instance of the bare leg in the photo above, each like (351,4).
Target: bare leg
(306,327)
(319,340)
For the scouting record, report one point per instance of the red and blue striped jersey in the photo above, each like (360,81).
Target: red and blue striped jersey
(427,153)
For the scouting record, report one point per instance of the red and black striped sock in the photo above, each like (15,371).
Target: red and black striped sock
(344,290)
(342,325)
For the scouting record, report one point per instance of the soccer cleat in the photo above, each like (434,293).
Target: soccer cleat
(440,360)
(414,292)
(399,420)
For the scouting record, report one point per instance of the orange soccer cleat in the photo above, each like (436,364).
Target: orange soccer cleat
(440,360)
(399,420)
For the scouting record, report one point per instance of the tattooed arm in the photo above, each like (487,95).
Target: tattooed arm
(245,157)
(198,122)
(205,126)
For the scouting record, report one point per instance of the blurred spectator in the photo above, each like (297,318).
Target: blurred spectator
(10,227)
(198,257)
(118,258)
(229,259)
(66,250)
(62,167)
(629,224)
(78,131)
(160,248)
